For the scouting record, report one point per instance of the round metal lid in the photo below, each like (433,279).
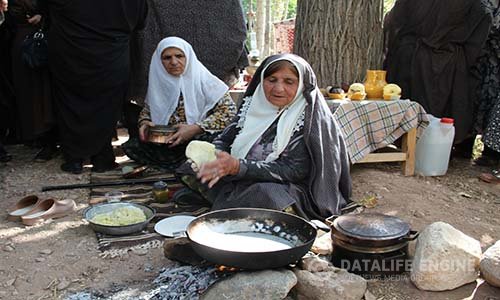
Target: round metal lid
(371,226)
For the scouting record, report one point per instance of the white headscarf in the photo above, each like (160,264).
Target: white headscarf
(201,90)
(261,114)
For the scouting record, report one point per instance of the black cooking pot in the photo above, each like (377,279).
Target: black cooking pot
(371,243)
(371,231)
(251,238)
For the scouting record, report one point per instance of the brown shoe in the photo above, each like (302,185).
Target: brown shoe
(49,209)
(22,207)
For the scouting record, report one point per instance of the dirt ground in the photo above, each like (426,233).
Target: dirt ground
(59,257)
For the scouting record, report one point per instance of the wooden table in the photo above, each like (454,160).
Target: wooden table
(371,125)
(406,155)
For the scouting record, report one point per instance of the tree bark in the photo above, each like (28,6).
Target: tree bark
(341,39)
(268,32)
(260,24)
(285,10)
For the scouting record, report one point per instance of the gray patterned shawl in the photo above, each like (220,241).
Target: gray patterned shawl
(330,181)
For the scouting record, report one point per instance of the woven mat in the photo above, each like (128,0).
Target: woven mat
(118,246)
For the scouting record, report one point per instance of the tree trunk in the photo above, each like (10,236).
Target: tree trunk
(341,39)
(260,26)
(267,35)
(285,10)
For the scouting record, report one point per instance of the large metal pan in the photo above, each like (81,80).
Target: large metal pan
(251,238)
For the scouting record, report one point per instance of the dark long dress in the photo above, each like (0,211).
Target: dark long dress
(488,116)
(34,111)
(431,46)
(89,61)
(6,88)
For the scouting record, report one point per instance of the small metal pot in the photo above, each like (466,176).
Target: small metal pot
(371,243)
(371,230)
(160,133)
(94,210)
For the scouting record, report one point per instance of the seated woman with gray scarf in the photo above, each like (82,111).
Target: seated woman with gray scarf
(182,93)
(283,151)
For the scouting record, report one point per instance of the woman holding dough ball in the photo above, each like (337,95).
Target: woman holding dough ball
(283,151)
(184,95)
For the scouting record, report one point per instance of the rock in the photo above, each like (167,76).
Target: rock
(445,258)
(140,251)
(179,249)
(418,214)
(465,195)
(8,248)
(46,251)
(39,259)
(490,265)
(262,285)
(369,296)
(148,268)
(63,284)
(323,245)
(314,264)
(334,283)
(10,282)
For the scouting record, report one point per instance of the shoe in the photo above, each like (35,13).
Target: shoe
(48,209)
(101,168)
(188,197)
(5,157)
(46,153)
(493,177)
(72,167)
(22,207)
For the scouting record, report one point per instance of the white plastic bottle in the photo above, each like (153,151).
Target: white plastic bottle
(432,153)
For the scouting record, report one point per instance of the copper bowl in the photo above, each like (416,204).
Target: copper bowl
(160,133)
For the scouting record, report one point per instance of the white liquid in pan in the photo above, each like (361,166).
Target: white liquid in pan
(246,242)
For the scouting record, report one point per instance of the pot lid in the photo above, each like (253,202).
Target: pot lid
(371,226)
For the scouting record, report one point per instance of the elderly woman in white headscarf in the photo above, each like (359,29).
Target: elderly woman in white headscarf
(284,150)
(182,93)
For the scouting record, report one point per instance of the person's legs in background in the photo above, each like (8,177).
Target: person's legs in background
(104,160)
(131,113)
(4,155)
(49,150)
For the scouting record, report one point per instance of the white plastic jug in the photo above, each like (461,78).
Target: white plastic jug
(432,154)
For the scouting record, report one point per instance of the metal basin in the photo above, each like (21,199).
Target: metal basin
(94,210)
(160,134)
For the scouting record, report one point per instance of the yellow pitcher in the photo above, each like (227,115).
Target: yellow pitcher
(374,84)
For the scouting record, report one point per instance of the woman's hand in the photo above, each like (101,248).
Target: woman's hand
(143,128)
(224,165)
(184,134)
(35,19)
